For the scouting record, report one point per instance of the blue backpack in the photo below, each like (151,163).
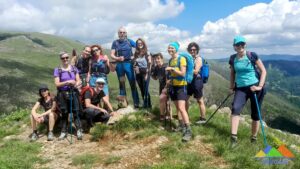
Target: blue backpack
(189,68)
(204,71)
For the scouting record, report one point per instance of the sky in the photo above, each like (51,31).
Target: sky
(269,26)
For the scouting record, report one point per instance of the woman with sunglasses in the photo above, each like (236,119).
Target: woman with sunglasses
(66,78)
(178,85)
(142,67)
(49,116)
(99,68)
(245,82)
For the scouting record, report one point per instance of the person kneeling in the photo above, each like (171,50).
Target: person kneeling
(92,98)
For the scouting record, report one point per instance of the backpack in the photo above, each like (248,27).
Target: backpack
(204,71)
(83,91)
(252,56)
(189,66)
(60,71)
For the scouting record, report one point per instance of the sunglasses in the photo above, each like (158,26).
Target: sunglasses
(193,49)
(96,50)
(100,83)
(64,58)
(240,44)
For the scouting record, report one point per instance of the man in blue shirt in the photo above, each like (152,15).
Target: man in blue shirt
(121,52)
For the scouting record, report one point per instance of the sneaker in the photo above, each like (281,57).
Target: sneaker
(62,136)
(79,134)
(253,139)
(201,121)
(187,135)
(34,136)
(234,142)
(50,136)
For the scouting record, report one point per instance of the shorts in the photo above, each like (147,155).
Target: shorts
(195,88)
(178,93)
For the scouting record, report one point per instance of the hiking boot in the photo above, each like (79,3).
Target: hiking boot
(253,139)
(187,135)
(201,121)
(62,136)
(180,128)
(50,136)
(234,142)
(34,136)
(79,134)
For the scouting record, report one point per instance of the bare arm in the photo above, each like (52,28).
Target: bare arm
(105,100)
(198,65)
(34,109)
(90,105)
(263,72)
(232,78)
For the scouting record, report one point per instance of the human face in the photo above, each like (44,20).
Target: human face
(193,51)
(100,85)
(171,50)
(158,60)
(44,92)
(122,33)
(240,47)
(96,51)
(87,51)
(64,59)
(140,44)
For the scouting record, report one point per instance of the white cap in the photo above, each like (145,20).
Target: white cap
(100,80)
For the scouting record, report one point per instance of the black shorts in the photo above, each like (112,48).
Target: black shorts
(195,88)
(178,93)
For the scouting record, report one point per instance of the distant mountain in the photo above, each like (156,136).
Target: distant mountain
(290,68)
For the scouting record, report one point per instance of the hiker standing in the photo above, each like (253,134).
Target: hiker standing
(142,68)
(49,116)
(82,64)
(196,86)
(66,78)
(178,86)
(244,81)
(121,52)
(92,97)
(159,73)
(99,68)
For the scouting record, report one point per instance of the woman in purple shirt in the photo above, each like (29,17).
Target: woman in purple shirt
(67,80)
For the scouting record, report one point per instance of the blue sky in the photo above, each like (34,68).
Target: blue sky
(198,12)
(270,26)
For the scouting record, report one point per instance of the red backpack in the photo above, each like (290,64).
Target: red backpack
(82,93)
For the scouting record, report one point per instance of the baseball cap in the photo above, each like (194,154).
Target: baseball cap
(239,39)
(100,80)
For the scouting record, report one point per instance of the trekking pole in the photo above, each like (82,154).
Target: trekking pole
(260,119)
(218,108)
(71,114)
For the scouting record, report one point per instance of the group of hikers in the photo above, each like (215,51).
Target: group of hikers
(83,89)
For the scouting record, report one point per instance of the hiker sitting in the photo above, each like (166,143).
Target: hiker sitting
(49,116)
(178,84)
(159,73)
(82,64)
(66,78)
(245,82)
(92,97)
(121,52)
(142,67)
(196,86)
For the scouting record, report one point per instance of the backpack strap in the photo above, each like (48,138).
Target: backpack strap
(231,61)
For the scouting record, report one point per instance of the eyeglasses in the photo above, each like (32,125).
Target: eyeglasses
(96,50)
(193,50)
(240,44)
(64,58)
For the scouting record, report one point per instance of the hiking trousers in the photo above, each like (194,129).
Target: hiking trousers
(123,68)
(64,104)
(140,78)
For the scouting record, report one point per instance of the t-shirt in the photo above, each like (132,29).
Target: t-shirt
(161,74)
(96,98)
(65,76)
(176,79)
(123,48)
(46,104)
(83,65)
(245,74)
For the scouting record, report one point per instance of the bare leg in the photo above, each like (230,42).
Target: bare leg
(180,104)
(234,124)
(255,127)
(202,107)
(33,123)
(52,118)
